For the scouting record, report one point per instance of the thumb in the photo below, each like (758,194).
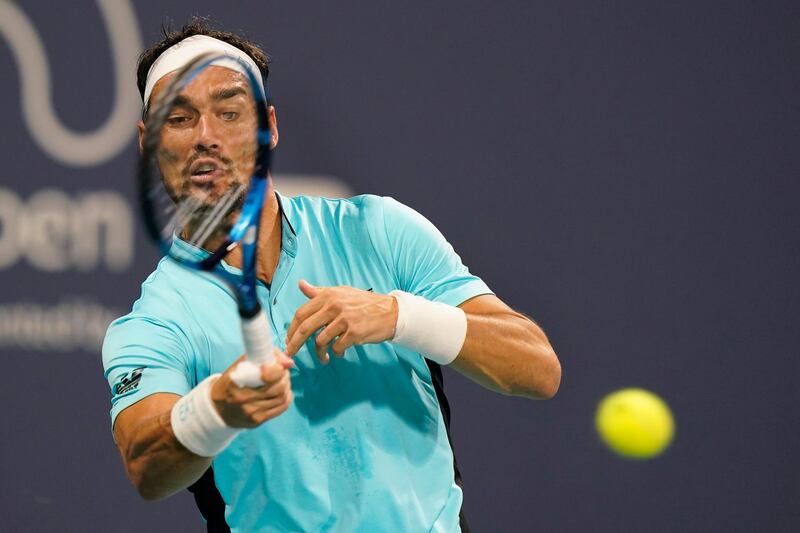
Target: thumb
(284,360)
(308,289)
(273,372)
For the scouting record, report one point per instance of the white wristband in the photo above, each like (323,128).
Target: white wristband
(197,424)
(435,330)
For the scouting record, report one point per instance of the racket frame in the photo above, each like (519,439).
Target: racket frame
(244,232)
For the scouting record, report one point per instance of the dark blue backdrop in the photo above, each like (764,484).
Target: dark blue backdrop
(624,172)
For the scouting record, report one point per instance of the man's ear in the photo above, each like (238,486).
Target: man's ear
(140,128)
(273,125)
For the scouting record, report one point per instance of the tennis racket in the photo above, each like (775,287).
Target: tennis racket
(201,194)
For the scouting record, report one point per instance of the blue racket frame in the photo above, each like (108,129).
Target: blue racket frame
(244,232)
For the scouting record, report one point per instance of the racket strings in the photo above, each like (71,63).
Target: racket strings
(217,220)
(178,217)
(205,214)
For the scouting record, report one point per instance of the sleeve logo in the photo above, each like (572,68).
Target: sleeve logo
(129,381)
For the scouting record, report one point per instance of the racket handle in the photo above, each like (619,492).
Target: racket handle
(258,348)
(258,339)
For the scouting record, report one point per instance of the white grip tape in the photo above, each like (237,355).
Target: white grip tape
(197,424)
(258,348)
(435,330)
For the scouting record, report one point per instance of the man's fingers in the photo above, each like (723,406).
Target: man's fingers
(268,414)
(273,373)
(285,361)
(342,344)
(251,409)
(248,407)
(368,318)
(330,332)
(327,336)
(308,289)
(302,313)
(243,395)
(255,413)
(307,328)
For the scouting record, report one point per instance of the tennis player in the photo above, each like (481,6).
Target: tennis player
(357,442)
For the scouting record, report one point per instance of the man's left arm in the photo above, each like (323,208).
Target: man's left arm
(502,350)
(506,352)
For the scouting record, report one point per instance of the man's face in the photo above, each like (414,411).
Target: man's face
(208,144)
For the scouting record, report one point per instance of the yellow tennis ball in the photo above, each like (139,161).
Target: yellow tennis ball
(635,423)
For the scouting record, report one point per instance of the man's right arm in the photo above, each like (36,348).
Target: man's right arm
(157,463)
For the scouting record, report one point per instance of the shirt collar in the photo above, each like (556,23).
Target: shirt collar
(180,248)
(289,222)
(288,235)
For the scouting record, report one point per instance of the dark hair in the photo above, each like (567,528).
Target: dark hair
(198,26)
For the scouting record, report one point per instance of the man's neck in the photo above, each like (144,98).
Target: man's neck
(269,240)
(269,237)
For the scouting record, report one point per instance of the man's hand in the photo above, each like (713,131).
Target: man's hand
(242,407)
(353,315)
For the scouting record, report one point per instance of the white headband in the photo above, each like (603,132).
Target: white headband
(181,53)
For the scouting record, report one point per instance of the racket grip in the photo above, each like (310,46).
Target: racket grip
(258,348)
(257,339)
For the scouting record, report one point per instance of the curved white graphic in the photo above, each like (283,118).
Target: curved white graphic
(65,146)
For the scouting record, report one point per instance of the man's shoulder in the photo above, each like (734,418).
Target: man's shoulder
(371,208)
(365,212)
(163,309)
(159,287)
(167,292)
(323,205)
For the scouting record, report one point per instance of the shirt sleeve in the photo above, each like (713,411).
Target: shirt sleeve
(424,262)
(144,356)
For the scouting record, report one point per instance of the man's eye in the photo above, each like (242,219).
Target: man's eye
(177,120)
(230,115)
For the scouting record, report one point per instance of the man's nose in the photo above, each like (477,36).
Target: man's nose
(207,135)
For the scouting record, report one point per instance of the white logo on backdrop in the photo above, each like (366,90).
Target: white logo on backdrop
(54,138)
(52,230)
(56,232)
(94,148)
(72,324)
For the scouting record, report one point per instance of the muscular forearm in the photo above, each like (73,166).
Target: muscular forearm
(208,418)
(508,353)
(157,464)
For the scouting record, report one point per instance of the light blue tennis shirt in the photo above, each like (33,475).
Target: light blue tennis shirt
(363,448)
